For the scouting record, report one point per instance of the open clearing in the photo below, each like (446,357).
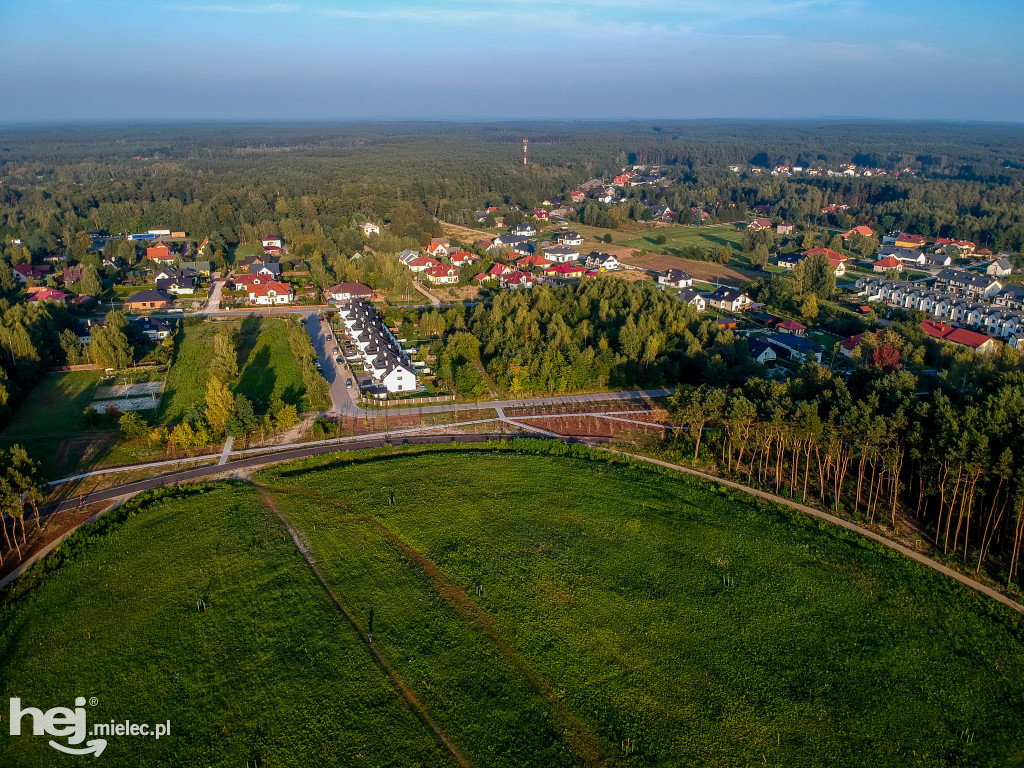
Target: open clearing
(542,609)
(268,370)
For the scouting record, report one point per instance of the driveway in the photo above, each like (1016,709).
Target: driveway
(343,399)
(213,302)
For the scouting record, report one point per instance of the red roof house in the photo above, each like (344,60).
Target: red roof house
(976,341)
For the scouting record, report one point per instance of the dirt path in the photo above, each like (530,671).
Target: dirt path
(917,556)
(410,697)
(584,742)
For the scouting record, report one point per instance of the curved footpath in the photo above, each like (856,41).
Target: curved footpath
(264,459)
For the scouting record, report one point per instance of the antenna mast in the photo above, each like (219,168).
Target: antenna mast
(525,142)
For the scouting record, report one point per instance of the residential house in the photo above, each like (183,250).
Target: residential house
(349,291)
(383,356)
(540,214)
(577,196)
(180,286)
(911,257)
(694,299)
(369,228)
(199,267)
(785,228)
(758,224)
(423,263)
(862,230)
(271,292)
(523,230)
(270,269)
(49,294)
(149,299)
(967,284)
(761,350)
(154,328)
(273,243)
(561,212)
(903,240)
(568,237)
(602,262)
(160,253)
(938,260)
(976,341)
(516,279)
(676,278)
(497,270)
(527,263)
(443,274)
(796,348)
(407,256)
(663,212)
(1001,267)
(73,275)
(792,326)
(889,262)
(564,270)
(560,254)
(729,299)
(963,246)
(462,258)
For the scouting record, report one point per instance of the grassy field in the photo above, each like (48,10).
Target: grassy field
(270,673)
(52,416)
(267,368)
(706,629)
(543,610)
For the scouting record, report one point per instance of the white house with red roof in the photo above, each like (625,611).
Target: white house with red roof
(369,228)
(271,292)
(423,263)
(443,274)
(516,279)
(437,248)
(461,258)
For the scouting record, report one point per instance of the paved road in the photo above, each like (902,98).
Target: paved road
(213,302)
(343,399)
(264,459)
(436,302)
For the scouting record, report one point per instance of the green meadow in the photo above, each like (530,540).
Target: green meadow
(544,610)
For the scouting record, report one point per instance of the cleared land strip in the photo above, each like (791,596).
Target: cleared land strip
(923,559)
(411,699)
(583,741)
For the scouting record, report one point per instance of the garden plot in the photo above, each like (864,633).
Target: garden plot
(129,390)
(127,404)
(129,397)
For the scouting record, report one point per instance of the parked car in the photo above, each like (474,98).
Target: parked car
(329,337)
(348,383)
(336,350)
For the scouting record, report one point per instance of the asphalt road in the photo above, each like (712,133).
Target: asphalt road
(343,399)
(263,459)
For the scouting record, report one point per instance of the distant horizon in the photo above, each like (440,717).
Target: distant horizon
(401,60)
(157,122)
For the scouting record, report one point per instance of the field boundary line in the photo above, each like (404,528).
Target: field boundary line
(582,740)
(916,556)
(407,693)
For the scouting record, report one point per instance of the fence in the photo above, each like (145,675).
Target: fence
(408,400)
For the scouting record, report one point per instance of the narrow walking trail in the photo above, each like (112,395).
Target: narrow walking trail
(410,697)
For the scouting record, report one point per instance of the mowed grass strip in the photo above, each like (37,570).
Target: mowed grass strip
(705,629)
(270,673)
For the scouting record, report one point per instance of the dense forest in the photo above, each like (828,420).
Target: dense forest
(929,429)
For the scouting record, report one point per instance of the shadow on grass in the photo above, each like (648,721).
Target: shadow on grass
(258,380)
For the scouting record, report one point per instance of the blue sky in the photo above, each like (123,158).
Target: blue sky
(601,59)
